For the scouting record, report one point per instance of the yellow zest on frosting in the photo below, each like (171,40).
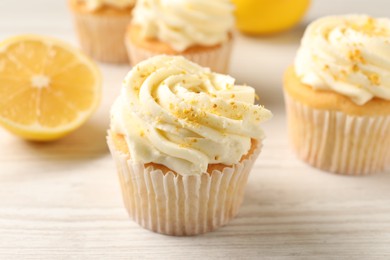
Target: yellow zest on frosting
(347,54)
(185,23)
(189,117)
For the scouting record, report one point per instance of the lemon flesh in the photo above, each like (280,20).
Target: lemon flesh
(47,88)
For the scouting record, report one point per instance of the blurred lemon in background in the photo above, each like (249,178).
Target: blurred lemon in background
(47,88)
(269,16)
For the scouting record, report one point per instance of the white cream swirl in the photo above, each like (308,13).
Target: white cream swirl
(185,23)
(96,4)
(175,113)
(347,54)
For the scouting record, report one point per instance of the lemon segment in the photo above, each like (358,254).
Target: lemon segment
(47,88)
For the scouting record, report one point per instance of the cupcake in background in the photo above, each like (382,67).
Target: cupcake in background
(184,140)
(101,27)
(338,95)
(199,30)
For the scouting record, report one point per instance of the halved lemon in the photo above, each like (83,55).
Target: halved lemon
(47,87)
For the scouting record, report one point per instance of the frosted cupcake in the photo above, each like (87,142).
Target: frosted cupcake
(101,27)
(184,140)
(338,95)
(199,30)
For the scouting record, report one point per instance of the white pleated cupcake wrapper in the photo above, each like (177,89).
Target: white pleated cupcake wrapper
(337,142)
(181,205)
(103,37)
(217,59)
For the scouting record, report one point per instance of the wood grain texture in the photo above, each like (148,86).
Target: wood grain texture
(62,200)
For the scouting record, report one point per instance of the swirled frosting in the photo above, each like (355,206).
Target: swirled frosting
(185,23)
(347,54)
(175,113)
(96,4)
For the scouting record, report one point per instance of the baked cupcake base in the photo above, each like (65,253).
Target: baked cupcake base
(355,142)
(101,33)
(171,204)
(336,142)
(217,57)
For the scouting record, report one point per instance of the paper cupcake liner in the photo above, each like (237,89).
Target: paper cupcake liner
(181,205)
(217,59)
(337,142)
(102,37)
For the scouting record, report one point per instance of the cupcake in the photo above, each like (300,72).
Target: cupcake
(184,140)
(338,95)
(101,27)
(199,30)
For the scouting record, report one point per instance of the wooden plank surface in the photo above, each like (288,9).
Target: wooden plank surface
(62,200)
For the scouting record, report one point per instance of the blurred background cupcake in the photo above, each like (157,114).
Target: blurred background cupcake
(199,30)
(338,95)
(101,26)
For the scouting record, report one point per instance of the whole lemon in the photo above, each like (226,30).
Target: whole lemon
(269,16)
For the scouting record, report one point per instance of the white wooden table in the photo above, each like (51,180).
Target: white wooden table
(62,200)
